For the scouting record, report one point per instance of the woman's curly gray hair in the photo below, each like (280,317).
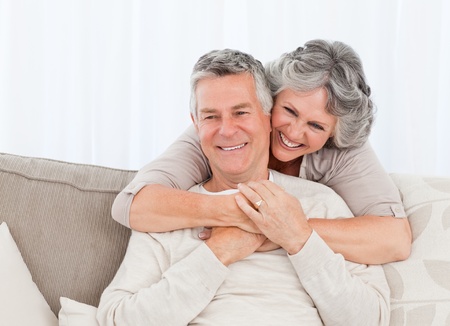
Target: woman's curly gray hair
(336,67)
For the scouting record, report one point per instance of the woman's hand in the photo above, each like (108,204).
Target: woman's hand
(276,213)
(234,216)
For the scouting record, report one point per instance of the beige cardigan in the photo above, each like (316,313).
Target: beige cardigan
(174,279)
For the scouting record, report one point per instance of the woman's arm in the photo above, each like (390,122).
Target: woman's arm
(380,232)
(366,239)
(158,208)
(157,199)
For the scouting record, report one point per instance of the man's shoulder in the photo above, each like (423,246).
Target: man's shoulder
(317,199)
(295,184)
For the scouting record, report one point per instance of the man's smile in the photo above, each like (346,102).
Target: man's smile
(231,148)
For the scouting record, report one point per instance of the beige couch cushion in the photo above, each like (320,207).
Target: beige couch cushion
(21,301)
(420,286)
(59,214)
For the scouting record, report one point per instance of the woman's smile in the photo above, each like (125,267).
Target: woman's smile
(287,142)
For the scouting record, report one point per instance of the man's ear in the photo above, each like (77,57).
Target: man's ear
(194,122)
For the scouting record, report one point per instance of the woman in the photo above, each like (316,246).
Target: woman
(321,120)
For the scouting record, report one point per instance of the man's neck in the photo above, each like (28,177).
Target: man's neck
(219,183)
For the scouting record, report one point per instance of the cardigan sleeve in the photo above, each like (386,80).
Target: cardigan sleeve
(148,291)
(344,293)
(181,166)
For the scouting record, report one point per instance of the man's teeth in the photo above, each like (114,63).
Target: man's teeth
(287,142)
(233,148)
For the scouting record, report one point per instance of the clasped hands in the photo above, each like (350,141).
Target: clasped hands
(277,215)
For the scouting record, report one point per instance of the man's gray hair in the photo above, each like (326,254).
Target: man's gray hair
(220,63)
(337,68)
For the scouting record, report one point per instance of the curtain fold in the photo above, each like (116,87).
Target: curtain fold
(107,82)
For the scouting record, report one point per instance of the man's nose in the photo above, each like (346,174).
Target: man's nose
(228,127)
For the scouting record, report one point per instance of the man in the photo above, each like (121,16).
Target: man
(174,278)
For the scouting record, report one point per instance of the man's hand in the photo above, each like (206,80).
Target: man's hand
(231,244)
(268,245)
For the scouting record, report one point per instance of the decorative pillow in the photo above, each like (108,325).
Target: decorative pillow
(420,285)
(74,313)
(21,301)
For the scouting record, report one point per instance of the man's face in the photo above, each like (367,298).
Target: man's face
(233,130)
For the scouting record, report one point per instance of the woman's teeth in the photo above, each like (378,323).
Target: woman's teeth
(233,148)
(287,142)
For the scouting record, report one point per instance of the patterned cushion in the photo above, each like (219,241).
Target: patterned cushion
(420,286)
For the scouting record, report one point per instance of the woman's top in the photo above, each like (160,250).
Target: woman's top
(355,174)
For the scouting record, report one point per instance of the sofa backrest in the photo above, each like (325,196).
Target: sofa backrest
(420,285)
(59,214)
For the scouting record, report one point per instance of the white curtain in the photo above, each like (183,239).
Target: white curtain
(107,82)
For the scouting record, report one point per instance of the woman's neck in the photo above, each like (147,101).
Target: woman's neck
(290,168)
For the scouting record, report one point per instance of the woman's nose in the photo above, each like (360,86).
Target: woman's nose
(297,129)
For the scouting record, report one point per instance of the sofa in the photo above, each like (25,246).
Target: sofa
(59,246)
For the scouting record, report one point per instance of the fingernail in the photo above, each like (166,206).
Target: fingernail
(201,235)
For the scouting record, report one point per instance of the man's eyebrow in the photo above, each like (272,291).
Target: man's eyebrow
(241,106)
(234,108)
(207,110)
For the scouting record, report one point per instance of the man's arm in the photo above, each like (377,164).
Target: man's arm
(148,291)
(231,244)
(344,293)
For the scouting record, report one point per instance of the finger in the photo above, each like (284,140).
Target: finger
(205,234)
(275,189)
(243,204)
(262,191)
(250,195)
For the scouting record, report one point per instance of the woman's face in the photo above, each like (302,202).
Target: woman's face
(300,124)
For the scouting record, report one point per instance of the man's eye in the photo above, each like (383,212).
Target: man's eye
(241,112)
(209,117)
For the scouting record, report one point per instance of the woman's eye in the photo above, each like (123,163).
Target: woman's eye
(316,126)
(290,111)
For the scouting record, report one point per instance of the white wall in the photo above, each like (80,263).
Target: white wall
(107,82)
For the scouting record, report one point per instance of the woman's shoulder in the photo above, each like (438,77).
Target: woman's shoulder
(332,154)
(327,162)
